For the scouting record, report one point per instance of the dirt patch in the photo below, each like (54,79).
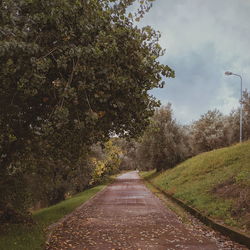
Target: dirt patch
(240,195)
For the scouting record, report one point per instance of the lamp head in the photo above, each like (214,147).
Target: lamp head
(228,73)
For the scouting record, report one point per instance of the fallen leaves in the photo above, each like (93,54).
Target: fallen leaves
(110,222)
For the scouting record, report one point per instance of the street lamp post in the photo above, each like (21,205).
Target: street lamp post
(241,109)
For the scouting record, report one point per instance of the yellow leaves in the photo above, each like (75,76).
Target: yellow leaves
(12,138)
(101,114)
(45,99)
(99,169)
(108,164)
(9,62)
(57,83)
(66,38)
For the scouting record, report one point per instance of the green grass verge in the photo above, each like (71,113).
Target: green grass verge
(195,181)
(23,237)
(178,210)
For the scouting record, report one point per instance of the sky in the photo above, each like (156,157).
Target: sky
(203,39)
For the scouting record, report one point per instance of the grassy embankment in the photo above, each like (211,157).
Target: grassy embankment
(217,183)
(32,237)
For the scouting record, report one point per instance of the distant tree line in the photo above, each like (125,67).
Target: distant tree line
(165,143)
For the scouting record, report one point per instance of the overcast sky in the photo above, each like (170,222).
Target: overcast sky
(203,39)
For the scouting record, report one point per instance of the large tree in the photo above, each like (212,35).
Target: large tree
(164,142)
(73,72)
(209,132)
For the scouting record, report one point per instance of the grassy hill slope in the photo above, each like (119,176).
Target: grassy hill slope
(217,183)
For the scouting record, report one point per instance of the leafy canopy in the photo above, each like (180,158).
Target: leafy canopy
(72,73)
(80,67)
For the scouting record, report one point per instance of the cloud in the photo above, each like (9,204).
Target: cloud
(203,39)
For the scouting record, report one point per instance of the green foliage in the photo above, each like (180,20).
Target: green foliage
(72,73)
(163,144)
(213,182)
(106,163)
(208,132)
(78,73)
(30,237)
(148,174)
(128,154)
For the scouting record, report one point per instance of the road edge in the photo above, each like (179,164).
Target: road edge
(226,231)
(51,228)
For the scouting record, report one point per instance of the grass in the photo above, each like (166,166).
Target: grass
(32,237)
(213,182)
(179,211)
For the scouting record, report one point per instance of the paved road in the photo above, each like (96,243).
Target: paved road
(126,215)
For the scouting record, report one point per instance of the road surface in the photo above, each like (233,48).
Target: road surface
(126,215)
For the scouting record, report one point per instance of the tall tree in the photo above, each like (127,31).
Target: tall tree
(208,132)
(163,144)
(73,72)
